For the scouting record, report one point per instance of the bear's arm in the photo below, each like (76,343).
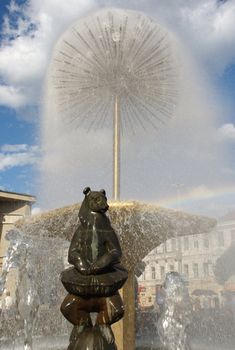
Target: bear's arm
(75,256)
(113,252)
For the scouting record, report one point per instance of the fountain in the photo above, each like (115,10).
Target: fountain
(114,60)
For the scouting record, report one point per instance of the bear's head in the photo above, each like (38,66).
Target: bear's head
(94,202)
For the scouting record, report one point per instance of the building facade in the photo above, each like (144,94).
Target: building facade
(13,207)
(194,257)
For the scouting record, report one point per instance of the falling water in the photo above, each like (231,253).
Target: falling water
(176,314)
(36,265)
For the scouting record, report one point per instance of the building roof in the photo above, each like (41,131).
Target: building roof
(13,196)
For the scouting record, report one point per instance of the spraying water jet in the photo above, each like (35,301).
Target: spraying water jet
(114,62)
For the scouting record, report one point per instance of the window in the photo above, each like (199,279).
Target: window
(153,270)
(196,244)
(179,244)
(168,245)
(150,299)
(206,269)
(186,243)
(162,272)
(220,239)
(164,247)
(195,270)
(171,268)
(206,243)
(186,270)
(233,235)
(173,244)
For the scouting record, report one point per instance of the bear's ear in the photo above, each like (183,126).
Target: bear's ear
(103,191)
(86,190)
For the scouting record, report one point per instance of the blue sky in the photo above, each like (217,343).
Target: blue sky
(14,130)
(225,85)
(29,31)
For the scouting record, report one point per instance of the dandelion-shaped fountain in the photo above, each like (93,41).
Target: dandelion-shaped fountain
(114,62)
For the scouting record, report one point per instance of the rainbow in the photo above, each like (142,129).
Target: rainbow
(200,193)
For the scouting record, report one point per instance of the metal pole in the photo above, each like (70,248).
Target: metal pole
(116,150)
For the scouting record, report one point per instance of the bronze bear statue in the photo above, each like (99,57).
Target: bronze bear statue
(94,279)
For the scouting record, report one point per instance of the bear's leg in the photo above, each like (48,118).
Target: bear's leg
(111,309)
(76,311)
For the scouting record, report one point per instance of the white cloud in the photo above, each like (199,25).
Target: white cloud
(205,26)
(19,159)
(26,47)
(13,7)
(211,31)
(12,96)
(227,132)
(17,155)
(24,61)
(14,148)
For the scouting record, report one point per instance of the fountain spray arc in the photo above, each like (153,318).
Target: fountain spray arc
(116,62)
